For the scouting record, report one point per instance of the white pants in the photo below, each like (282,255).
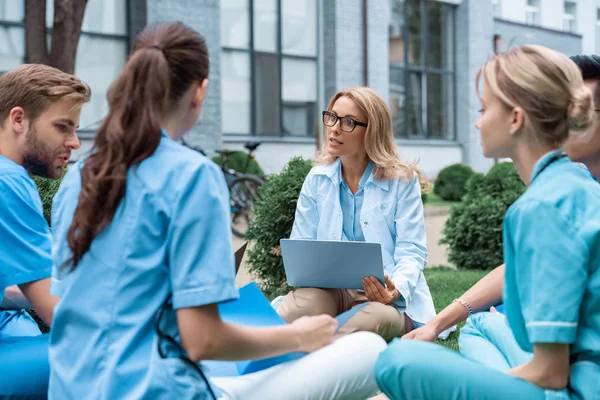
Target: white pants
(342,370)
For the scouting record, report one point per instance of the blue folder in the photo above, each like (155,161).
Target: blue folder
(253,309)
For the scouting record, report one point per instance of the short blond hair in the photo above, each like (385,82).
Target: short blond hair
(35,86)
(547,85)
(380,145)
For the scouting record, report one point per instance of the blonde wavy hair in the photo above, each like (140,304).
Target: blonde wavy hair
(547,85)
(380,145)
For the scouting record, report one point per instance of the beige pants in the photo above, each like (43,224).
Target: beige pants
(379,318)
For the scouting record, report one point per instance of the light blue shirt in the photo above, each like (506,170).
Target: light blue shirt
(552,254)
(352,205)
(25,237)
(169,236)
(391,215)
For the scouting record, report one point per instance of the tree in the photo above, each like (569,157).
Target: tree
(66,29)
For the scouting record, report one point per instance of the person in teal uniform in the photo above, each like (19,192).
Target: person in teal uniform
(533,100)
(39,112)
(143,254)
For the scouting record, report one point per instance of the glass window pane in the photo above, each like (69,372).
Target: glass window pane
(235,24)
(440,35)
(299,27)
(413,14)
(266,81)
(299,119)
(414,106)
(440,109)
(398,100)
(299,80)
(265,25)
(101,16)
(12,10)
(99,62)
(12,47)
(235,92)
(397,26)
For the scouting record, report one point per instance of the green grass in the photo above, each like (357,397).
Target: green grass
(436,201)
(446,284)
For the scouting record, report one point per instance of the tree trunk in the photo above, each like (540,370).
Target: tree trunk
(68,17)
(36,46)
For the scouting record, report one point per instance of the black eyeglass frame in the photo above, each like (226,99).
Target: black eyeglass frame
(337,118)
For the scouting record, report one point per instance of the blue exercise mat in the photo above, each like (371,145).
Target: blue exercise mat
(253,309)
(24,368)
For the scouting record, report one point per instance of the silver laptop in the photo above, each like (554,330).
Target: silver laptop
(330,264)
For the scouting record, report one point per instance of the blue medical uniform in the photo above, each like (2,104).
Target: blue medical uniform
(551,295)
(352,206)
(24,257)
(169,237)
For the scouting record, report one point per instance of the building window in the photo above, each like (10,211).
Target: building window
(269,67)
(422,69)
(101,53)
(570,16)
(497,6)
(532,12)
(598,29)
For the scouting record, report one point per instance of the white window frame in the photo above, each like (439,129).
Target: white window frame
(598,28)
(569,20)
(534,11)
(497,6)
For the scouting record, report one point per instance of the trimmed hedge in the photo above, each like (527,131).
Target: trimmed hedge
(473,231)
(273,221)
(450,184)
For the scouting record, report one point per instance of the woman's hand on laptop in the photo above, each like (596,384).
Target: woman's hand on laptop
(314,332)
(375,291)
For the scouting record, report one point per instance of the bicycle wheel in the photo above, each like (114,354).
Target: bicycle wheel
(243,193)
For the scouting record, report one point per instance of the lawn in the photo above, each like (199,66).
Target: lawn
(435,201)
(446,284)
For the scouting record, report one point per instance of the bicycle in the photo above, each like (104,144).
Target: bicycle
(243,188)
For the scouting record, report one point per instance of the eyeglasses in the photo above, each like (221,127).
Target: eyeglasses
(346,123)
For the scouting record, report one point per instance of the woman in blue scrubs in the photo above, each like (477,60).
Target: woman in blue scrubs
(142,253)
(532,99)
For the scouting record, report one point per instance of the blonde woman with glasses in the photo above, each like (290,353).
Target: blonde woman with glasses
(360,190)
(532,99)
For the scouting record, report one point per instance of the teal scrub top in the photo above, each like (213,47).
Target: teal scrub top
(170,236)
(552,255)
(25,235)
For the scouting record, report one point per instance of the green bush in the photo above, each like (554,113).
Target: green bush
(273,221)
(450,184)
(473,231)
(47,189)
(238,161)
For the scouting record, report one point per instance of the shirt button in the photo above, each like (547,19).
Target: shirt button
(366,223)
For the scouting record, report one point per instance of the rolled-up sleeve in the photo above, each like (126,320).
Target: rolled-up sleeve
(200,255)
(549,271)
(410,254)
(306,219)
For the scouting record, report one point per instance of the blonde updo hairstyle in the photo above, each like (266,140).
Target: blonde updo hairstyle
(547,85)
